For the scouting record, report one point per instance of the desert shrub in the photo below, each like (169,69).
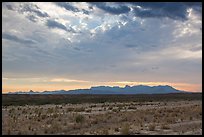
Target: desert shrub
(110,108)
(93,106)
(55,127)
(105,132)
(8,132)
(88,110)
(38,119)
(70,109)
(120,108)
(19,133)
(29,127)
(36,110)
(55,115)
(43,116)
(11,110)
(49,121)
(125,130)
(76,126)
(103,105)
(115,110)
(152,127)
(165,126)
(24,111)
(45,131)
(50,110)
(59,119)
(132,107)
(79,109)
(79,118)
(65,123)
(94,121)
(124,119)
(145,119)
(170,120)
(116,129)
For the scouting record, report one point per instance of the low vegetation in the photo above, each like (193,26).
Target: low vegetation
(108,118)
(18,100)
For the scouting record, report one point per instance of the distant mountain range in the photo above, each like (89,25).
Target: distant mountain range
(139,89)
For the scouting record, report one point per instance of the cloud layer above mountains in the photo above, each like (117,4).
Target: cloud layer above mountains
(102,42)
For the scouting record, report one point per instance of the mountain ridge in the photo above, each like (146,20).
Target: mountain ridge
(137,89)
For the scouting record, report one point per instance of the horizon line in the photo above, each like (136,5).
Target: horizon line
(101,86)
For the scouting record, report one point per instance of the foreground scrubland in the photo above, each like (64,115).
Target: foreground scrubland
(150,116)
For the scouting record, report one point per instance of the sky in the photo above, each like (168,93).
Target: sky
(76,45)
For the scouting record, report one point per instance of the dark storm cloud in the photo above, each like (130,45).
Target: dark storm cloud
(112,10)
(16,39)
(55,24)
(174,10)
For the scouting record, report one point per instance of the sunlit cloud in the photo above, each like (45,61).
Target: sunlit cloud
(66,80)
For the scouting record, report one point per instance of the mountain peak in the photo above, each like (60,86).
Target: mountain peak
(127,86)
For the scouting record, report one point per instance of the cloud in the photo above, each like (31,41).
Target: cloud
(78,49)
(173,10)
(55,24)
(131,46)
(120,9)
(67,6)
(72,8)
(17,39)
(31,8)
(85,11)
(47,49)
(196,48)
(32,18)
(9,7)
(66,80)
